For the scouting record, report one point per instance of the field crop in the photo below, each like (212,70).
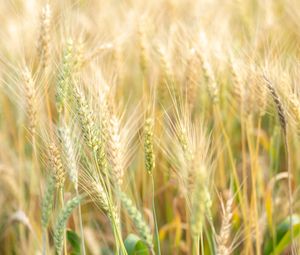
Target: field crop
(149,127)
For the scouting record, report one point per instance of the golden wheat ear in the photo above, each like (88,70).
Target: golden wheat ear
(223,246)
(278,103)
(31,98)
(57,165)
(44,39)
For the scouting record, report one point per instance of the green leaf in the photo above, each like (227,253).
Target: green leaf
(283,236)
(286,240)
(135,246)
(74,241)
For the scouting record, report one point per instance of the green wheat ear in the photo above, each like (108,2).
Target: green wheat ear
(65,76)
(137,219)
(201,203)
(47,202)
(70,154)
(148,146)
(86,119)
(62,221)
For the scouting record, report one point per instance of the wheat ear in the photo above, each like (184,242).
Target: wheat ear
(44,40)
(190,83)
(47,202)
(148,146)
(199,196)
(62,221)
(208,71)
(87,120)
(279,106)
(223,238)
(70,154)
(137,219)
(143,50)
(57,166)
(65,77)
(30,94)
(116,151)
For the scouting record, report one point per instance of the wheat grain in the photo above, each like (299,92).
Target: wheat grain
(57,166)
(30,93)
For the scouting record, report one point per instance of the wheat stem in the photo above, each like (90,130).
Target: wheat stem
(155,217)
(81,225)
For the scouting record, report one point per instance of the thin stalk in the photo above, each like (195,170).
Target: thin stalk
(244,155)
(154,217)
(196,245)
(33,170)
(117,246)
(248,245)
(62,206)
(21,183)
(117,233)
(80,225)
(253,182)
(202,243)
(231,159)
(254,186)
(188,229)
(210,241)
(217,112)
(44,241)
(288,165)
(47,98)
(33,177)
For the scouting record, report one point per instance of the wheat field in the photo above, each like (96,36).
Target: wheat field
(149,127)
